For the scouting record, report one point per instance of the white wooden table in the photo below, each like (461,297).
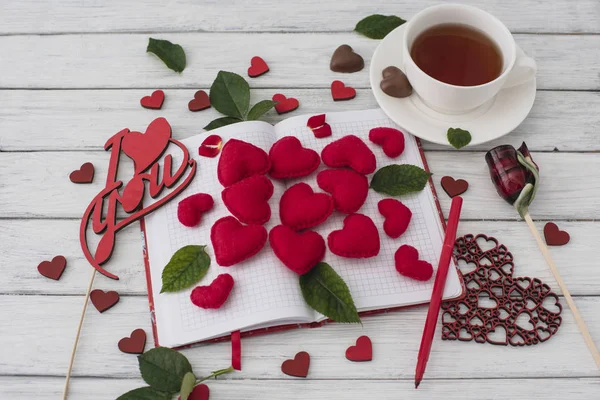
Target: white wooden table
(72,74)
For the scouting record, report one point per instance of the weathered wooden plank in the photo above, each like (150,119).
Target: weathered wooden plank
(84,119)
(296,60)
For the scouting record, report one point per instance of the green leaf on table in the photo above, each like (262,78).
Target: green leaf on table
(164,369)
(458,138)
(260,108)
(189,381)
(171,54)
(187,266)
(397,180)
(326,292)
(145,393)
(377,26)
(220,122)
(230,95)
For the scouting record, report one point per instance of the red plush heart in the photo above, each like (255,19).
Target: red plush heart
(145,149)
(233,242)
(363,351)
(248,200)
(154,101)
(348,189)
(339,91)
(135,343)
(240,160)
(258,67)
(298,366)
(85,174)
(391,140)
(301,208)
(190,209)
(300,252)
(211,146)
(397,217)
(318,126)
(285,104)
(349,151)
(104,300)
(408,264)
(200,392)
(200,102)
(554,236)
(358,238)
(213,295)
(454,187)
(53,269)
(290,160)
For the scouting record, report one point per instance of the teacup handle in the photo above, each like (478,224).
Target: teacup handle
(523,70)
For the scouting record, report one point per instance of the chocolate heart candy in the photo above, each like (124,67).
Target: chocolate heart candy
(395,83)
(344,59)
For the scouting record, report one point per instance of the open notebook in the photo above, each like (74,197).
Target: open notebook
(266,293)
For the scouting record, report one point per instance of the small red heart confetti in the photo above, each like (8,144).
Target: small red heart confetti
(85,174)
(104,300)
(300,252)
(240,160)
(358,238)
(554,236)
(214,295)
(408,264)
(200,102)
(290,160)
(211,146)
(363,351)
(53,269)
(298,366)
(200,392)
(391,140)
(397,217)
(340,92)
(154,101)
(258,67)
(233,242)
(285,104)
(454,187)
(190,209)
(135,343)
(301,208)
(318,126)
(248,199)
(350,151)
(348,188)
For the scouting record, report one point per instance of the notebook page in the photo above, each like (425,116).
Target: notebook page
(264,291)
(374,282)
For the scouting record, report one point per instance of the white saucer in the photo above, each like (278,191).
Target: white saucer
(492,120)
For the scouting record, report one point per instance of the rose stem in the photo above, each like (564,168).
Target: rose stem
(561,284)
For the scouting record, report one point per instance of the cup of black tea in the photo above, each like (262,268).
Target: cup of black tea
(459,57)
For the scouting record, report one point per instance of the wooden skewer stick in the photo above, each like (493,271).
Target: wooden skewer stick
(561,284)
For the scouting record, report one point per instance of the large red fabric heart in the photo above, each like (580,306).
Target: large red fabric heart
(285,104)
(53,269)
(358,238)
(409,265)
(290,160)
(258,67)
(339,91)
(298,366)
(391,140)
(215,294)
(349,189)
(397,217)
(349,151)
(300,252)
(248,199)
(240,160)
(363,351)
(200,102)
(554,236)
(301,208)
(104,300)
(133,344)
(145,149)
(85,174)
(154,101)
(190,209)
(233,242)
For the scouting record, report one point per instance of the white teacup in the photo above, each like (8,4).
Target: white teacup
(451,99)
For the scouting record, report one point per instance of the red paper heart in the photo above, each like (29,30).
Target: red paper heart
(358,238)
(290,160)
(135,343)
(213,295)
(454,187)
(397,217)
(211,146)
(298,366)
(408,264)
(349,151)
(190,209)
(554,236)
(104,300)
(240,160)
(258,67)
(348,189)
(318,126)
(154,101)
(85,174)
(339,91)
(285,104)
(53,269)
(145,149)
(200,392)
(391,140)
(233,242)
(248,200)
(200,102)
(363,351)
(300,252)
(301,208)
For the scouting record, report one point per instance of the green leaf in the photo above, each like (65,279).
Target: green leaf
(164,369)
(189,381)
(325,291)
(260,108)
(187,266)
(397,180)
(220,122)
(377,26)
(458,138)
(230,95)
(171,54)
(145,393)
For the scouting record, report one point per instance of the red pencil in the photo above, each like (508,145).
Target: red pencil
(438,289)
